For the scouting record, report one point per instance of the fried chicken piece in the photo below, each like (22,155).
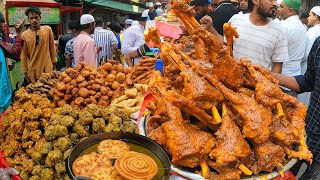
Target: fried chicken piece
(230,143)
(295,112)
(268,156)
(225,172)
(230,32)
(257,118)
(187,144)
(283,132)
(159,136)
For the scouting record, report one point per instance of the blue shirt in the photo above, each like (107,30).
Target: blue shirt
(119,43)
(310,81)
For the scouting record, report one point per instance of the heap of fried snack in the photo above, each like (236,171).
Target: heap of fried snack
(245,124)
(85,84)
(35,139)
(44,84)
(142,71)
(128,164)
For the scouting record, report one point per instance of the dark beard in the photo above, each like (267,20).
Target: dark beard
(265,14)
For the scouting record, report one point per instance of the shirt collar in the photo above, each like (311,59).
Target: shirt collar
(98,28)
(85,33)
(223,2)
(292,18)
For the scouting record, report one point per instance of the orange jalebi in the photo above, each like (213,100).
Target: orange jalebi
(136,166)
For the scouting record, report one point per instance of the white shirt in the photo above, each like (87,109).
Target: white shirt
(297,40)
(106,39)
(261,44)
(312,35)
(132,40)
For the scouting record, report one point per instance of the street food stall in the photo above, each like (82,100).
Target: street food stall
(212,116)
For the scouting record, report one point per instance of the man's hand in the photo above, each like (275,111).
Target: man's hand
(206,22)
(18,28)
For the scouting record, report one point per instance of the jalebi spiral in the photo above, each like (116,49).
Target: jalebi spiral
(136,166)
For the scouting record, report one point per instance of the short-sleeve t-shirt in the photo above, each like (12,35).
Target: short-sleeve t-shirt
(261,44)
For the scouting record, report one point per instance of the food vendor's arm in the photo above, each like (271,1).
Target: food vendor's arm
(277,67)
(24,58)
(206,22)
(306,82)
(287,81)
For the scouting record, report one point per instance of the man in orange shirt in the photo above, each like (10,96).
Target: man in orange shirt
(39,51)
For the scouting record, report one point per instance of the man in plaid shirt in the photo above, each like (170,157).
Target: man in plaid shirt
(308,82)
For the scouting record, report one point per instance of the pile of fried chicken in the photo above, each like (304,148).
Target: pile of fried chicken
(244,124)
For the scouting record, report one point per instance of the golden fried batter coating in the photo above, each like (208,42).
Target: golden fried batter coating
(88,163)
(103,173)
(113,148)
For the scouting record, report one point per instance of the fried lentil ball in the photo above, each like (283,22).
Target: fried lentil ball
(35,135)
(67,121)
(112,127)
(74,113)
(34,178)
(27,165)
(129,126)
(80,129)
(115,119)
(46,174)
(85,118)
(98,125)
(43,146)
(74,138)
(37,170)
(53,157)
(60,167)
(54,131)
(62,143)
(35,155)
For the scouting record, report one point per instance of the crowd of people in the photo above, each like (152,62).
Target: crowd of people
(274,34)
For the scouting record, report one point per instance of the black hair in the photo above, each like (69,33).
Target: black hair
(99,21)
(71,24)
(85,26)
(304,15)
(33,9)
(199,2)
(116,27)
(77,26)
(2,20)
(250,5)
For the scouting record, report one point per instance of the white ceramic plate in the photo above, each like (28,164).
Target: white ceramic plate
(262,176)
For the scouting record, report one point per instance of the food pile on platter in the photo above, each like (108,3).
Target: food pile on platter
(35,138)
(229,117)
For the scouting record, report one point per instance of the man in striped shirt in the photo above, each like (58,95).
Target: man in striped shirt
(107,41)
(261,39)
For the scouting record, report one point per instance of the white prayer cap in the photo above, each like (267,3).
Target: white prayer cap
(145,13)
(316,10)
(151,4)
(86,19)
(158,3)
(128,21)
(279,2)
(134,23)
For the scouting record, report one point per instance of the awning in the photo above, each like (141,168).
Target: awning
(117,5)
